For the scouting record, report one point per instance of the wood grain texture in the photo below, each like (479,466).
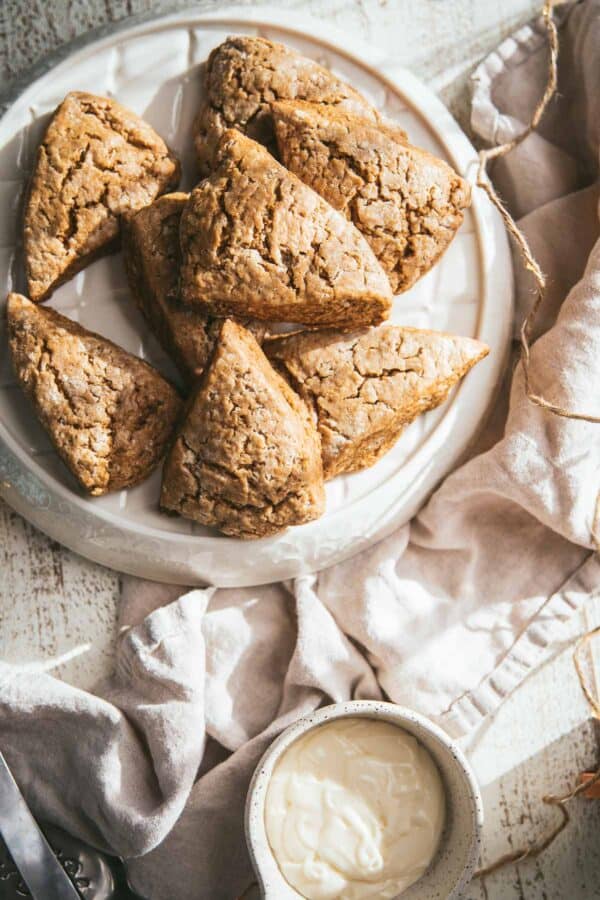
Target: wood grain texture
(56,606)
(57,610)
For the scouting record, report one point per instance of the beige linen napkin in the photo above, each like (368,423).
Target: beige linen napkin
(447,615)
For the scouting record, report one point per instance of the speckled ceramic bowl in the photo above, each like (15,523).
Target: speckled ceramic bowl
(457,856)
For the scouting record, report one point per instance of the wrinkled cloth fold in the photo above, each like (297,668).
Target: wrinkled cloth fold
(447,615)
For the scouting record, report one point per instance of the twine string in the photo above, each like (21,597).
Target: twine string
(588,693)
(561,803)
(532,266)
(485,156)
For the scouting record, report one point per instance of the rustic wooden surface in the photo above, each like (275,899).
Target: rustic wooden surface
(58,611)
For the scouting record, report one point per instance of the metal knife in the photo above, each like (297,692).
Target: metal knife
(31,852)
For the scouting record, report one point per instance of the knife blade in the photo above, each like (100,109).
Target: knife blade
(31,852)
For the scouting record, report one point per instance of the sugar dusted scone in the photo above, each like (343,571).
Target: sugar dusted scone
(405,201)
(152,261)
(247,457)
(365,387)
(97,160)
(244,75)
(257,242)
(108,413)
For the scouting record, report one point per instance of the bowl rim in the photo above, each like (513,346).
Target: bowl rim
(270,879)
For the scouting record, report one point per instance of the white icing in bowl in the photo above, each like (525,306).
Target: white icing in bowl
(355,809)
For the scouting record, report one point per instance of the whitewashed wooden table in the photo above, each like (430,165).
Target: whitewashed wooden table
(58,611)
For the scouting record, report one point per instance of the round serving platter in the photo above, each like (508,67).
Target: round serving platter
(154,67)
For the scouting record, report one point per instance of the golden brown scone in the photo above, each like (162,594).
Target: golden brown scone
(108,413)
(407,202)
(244,75)
(152,262)
(247,457)
(96,161)
(256,241)
(365,387)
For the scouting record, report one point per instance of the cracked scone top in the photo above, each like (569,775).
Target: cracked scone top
(247,458)
(244,75)
(365,387)
(256,241)
(152,261)
(108,413)
(96,161)
(405,201)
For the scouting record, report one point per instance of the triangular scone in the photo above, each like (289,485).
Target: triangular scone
(256,241)
(152,261)
(365,387)
(407,202)
(244,75)
(247,457)
(96,161)
(109,414)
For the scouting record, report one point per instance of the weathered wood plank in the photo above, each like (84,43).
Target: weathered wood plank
(53,604)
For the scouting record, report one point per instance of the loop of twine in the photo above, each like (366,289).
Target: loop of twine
(588,693)
(529,261)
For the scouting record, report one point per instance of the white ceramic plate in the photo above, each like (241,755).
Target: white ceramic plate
(153,68)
